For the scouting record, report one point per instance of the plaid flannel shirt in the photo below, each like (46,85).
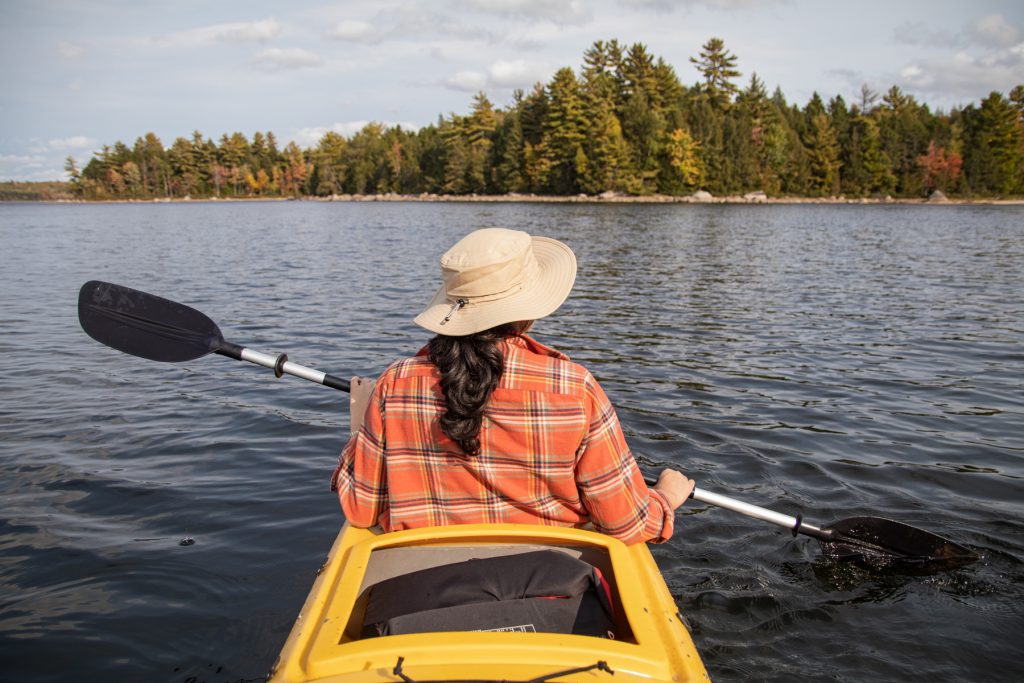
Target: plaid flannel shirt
(551,452)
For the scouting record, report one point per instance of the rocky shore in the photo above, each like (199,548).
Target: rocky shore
(700,197)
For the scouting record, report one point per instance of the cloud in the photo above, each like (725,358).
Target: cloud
(919,33)
(69,50)
(501,75)
(994,29)
(727,5)
(563,11)
(28,167)
(517,74)
(991,31)
(310,137)
(470,81)
(74,142)
(354,30)
(536,36)
(30,159)
(234,32)
(985,55)
(281,59)
(965,76)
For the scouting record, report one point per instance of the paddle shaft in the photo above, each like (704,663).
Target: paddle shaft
(281,365)
(794,524)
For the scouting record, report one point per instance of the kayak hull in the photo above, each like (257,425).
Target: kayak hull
(324,644)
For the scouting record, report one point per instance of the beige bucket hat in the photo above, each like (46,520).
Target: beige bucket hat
(495,276)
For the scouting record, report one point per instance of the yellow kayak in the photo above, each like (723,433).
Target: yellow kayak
(330,641)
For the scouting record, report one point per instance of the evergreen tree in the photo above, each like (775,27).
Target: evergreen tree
(607,154)
(999,146)
(823,156)
(879,176)
(508,150)
(480,128)
(183,166)
(564,133)
(767,136)
(605,148)
(717,67)
(329,162)
(868,98)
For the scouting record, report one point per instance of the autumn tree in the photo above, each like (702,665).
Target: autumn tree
(939,169)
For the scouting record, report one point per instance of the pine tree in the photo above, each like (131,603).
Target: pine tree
(608,167)
(718,69)
(879,177)
(329,161)
(509,149)
(767,135)
(1001,143)
(823,156)
(605,147)
(71,168)
(564,133)
(184,166)
(479,131)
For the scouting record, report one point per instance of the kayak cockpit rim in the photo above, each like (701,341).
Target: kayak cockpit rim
(325,642)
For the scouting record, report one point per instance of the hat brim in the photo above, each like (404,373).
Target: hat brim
(539,298)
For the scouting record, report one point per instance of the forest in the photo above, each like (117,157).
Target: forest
(624,123)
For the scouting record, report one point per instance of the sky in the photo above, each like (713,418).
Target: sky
(78,75)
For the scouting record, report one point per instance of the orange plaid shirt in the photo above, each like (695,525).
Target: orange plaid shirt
(551,452)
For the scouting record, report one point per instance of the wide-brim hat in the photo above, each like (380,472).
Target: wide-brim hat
(495,276)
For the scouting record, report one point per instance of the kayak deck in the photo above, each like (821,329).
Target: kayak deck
(324,644)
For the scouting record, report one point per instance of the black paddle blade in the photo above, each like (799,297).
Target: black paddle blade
(880,543)
(145,325)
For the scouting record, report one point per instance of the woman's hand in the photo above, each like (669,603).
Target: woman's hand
(674,485)
(358,399)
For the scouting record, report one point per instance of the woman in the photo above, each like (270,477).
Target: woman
(485,424)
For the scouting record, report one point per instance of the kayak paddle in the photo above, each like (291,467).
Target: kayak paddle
(875,541)
(151,327)
(154,328)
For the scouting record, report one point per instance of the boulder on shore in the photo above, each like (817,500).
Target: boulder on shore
(758,196)
(702,196)
(938,197)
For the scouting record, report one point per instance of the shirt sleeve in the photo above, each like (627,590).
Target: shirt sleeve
(611,485)
(360,479)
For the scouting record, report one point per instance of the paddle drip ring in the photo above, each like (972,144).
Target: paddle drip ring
(282,358)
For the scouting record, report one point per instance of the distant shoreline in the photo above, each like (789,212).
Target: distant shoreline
(607,198)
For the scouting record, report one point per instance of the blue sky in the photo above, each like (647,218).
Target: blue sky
(77,75)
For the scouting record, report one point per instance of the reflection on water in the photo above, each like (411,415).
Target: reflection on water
(831,360)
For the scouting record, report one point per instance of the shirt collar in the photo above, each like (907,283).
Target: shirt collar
(522,341)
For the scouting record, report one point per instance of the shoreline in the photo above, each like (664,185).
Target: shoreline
(605,198)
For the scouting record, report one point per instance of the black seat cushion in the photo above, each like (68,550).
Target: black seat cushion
(544,591)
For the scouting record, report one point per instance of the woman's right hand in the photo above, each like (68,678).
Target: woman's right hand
(675,486)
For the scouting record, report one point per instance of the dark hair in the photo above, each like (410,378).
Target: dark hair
(470,368)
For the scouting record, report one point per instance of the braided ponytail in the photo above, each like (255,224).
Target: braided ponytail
(470,367)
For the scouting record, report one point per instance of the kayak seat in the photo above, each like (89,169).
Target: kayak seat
(541,591)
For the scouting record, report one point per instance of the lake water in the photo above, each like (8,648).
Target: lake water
(834,360)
